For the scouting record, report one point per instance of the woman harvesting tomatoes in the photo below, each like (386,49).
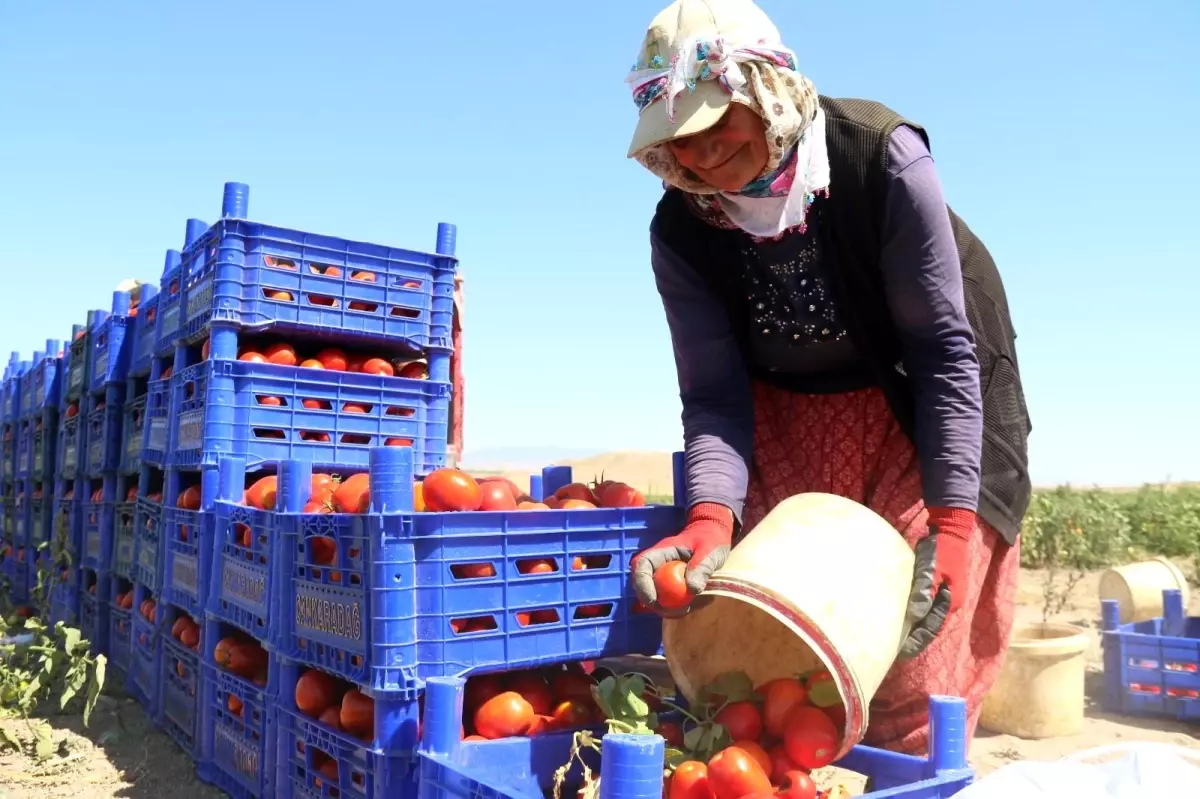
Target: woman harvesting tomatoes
(836,329)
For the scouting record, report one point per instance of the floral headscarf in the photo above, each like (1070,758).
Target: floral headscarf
(797,165)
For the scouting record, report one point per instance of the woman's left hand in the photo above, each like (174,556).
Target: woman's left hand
(939,585)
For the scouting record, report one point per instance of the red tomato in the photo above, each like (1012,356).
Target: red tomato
(576,504)
(496,496)
(451,490)
(672,733)
(271,402)
(669,584)
(690,781)
(282,354)
(252,357)
(619,495)
(780,698)
(311,363)
(535,691)
(576,491)
(572,685)
(353,495)
(263,493)
(755,751)
(204,351)
(733,773)
(354,407)
(797,785)
(332,359)
(377,366)
(780,763)
(743,721)
(504,716)
(414,370)
(517,494)
(189,499)
(837,714)
(811,739)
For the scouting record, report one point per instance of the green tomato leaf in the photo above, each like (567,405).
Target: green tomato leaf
(733,686)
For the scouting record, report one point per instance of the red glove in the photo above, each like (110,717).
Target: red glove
(939,576)
(703,543)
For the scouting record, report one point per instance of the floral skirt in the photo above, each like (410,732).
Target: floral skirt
(852,445)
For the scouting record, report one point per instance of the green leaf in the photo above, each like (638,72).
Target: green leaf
(71,638)
(94,688)
(43,747)
(673,757)
(73,682)
(733,686)
(8,740)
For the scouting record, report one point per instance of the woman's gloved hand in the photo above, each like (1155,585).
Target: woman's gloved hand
(703,544)
(939,577)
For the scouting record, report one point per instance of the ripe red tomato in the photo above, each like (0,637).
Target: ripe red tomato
(733,773)
(837,714)
(690,781)
(206,349)
(414,370)
(619,495)
(517,494)
(496,496)
(323,487)
(755,750)
(811,739)
(480,689)
(353,495)
(572,714)
(189,499)
(534,690)
(281,354)
(252,357)
(797,785)
(263,493)
(743,721)
(504,716)
(780,698)
(669,584)
(311,363)
(332,359)
(781,764)
(377,366)
(451,490)
(576,491)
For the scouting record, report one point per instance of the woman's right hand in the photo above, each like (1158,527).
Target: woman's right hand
(703,544)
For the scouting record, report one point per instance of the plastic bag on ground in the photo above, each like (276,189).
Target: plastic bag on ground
(1122,771)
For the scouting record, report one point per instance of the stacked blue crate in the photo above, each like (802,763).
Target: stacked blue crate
(10,411)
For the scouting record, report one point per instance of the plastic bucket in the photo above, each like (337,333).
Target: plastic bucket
(1137,588)
(1040,690)
(821,582)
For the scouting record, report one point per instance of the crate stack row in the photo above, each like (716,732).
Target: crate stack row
(285,644)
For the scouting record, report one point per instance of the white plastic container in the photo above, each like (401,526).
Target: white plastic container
(1138,588)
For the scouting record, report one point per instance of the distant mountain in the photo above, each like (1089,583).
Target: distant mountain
(522,458)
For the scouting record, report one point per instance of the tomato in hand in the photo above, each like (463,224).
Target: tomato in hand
(451,490)
(733,773)
(504,716)
(669,584)
(780,698)
(690,781)
(811,739)
(797,785)
(743,721)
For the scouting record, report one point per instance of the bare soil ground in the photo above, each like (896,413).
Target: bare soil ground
(122,755)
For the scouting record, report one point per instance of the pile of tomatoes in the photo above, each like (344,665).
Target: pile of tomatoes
(333,359)
(452,490)
(778,737)
(243,656)
(186,631)
(336,704)
(529,702)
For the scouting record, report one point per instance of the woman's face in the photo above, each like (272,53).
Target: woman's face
(728,155)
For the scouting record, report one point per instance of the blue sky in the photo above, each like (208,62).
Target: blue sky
(1064,132)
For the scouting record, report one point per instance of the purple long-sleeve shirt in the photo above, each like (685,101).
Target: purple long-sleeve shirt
(923,282)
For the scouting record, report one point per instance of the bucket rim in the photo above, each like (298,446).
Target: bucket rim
(810,634)
(1070,640)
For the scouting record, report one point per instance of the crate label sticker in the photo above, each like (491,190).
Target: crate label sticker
(95,453)
(233,751)
(199,299)
(170,320)
(133,445)
(191,430)
(37,533)
(70,452)
(157,436)
(38,460)
(148,556)
(243,584)
(327,613)
(125,550)
(100,368)
(92,545)
(76,376)
(183,574)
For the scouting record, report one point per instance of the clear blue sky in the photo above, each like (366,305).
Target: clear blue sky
(1065,132)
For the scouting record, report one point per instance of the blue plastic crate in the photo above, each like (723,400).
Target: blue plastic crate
(8,452)
(256,276)
(111,346)
(148,525)
(180,688)
(240,590)
(24,451)
(64,605)
(44,377)
(9,506)
(396,603)
(363,771)
(11,388)
(97,512)
(156,442)
(239,740)
(1152,668)
(133,428)
(72,446)
(124,512)
(104,438)
(168,323)
(79,361)
(67,523)
(120,631)
(94,609)
(44,436)
(40,521)
(186,540)
(144,331)
(258,412)
(145,655)
(631,766)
